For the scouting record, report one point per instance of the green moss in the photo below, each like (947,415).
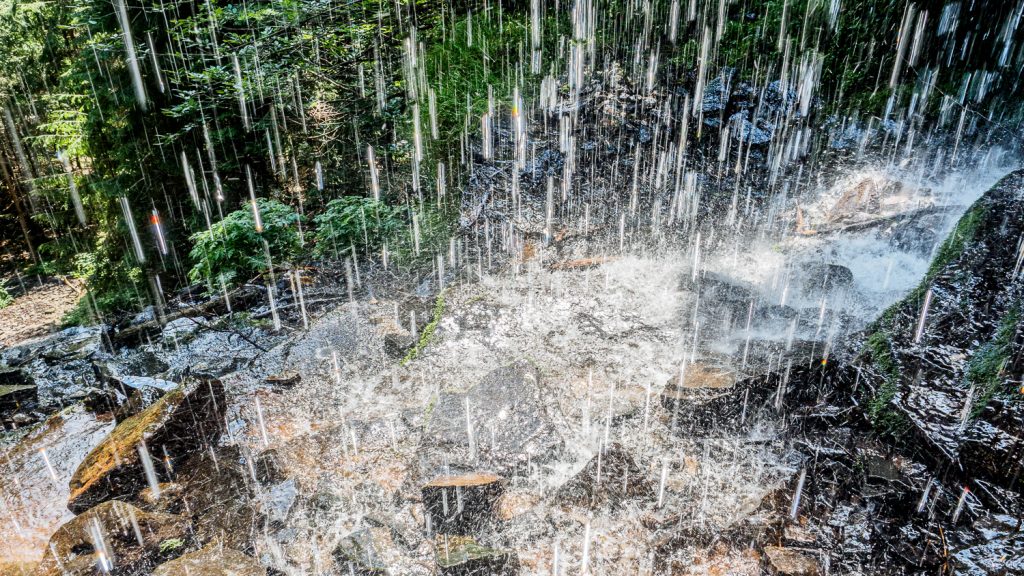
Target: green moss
(458,550)
(985,368)
(428,331)
(884,417)
(170,545)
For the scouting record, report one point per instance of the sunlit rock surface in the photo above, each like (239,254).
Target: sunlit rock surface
(182,422)
(113,537)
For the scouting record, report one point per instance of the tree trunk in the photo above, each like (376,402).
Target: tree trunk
(11,185)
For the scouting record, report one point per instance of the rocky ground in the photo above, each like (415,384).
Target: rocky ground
(574,394)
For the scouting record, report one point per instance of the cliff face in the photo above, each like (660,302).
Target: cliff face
(943,367)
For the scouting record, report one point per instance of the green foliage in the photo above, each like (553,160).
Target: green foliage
(985,368)
(170,545)
(236,249)
(434,226)
(355,221)
(5,297)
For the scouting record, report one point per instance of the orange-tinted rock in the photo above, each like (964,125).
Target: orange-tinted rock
(182,422)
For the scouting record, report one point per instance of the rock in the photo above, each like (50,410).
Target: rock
(278,501)
(934,374)
(508,422)
(134,394)
(167,498)
(818,277)
(218,493)
(27,469)
(611,479)
(212,560)
(462,504)
(179,331)
(357,555)
(463,556)
(184,421)
(214,354)
(716,92)
(111,530)
(16,568)
(790,562)
(12,397)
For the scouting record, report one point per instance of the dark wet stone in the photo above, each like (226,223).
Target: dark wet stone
(73,548)
(267,467)
(180,423)
(356,554)
(819,277)
(462,504)
(508,420)
(219,496)
(716,92)
(213,560)
(611,479)
(463,556)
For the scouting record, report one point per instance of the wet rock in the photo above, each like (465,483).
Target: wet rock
(212,560)
(818,277)
(936,371)
(463,556)
(507,419)
(339,343)
(214,354)
(111,531)
(167,498)
(716,92)
(31,497)
(610,479)
(133,394)
(709,401)
(278,501)
(182,422)
(267,467)
(284,379)
(778,99)
(462,504)
(219,496)
(179,331)
(790,562)
(357,555)
(13,397)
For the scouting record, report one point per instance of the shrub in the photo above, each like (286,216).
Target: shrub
(5,297)
(355,221)
(234,249)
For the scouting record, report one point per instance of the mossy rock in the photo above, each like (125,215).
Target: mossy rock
(464,556)
(213,560)
(182,422)
(73,551)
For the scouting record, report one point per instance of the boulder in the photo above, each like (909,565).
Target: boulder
(218,492)
(610,479)
(182,422)
(113,534)
(507,425)
(820,277)
(462,504)
(357,555)
(212,560)
(463,556)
